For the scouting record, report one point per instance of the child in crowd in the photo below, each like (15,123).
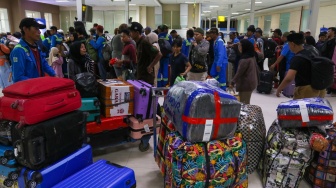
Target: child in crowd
(179,64)
(56,60)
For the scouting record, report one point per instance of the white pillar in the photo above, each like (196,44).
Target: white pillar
(126,11)
(79,4)
(184,15)
(228,18)
(210,23)
(314,7)
(158,16)
(217,19)
(252,12)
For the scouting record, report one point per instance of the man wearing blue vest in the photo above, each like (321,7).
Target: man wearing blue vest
(164,62)
(47,41)
(27,59)
(56,39)
(188,42)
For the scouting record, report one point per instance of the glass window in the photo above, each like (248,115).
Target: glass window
(33,14)
(176,20)
(267,25)
(4,24)
(284,21)
(305,19)
(48,18)
(66,20)
(256,22)
(246,24)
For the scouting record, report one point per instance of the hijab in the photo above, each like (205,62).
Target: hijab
(76,56)
(53,55)
(247,49)
(152,38)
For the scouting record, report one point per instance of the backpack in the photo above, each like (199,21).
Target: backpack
(259,53)
(91,51)
(165,47)
(269,47)
(107,51)
(322,71)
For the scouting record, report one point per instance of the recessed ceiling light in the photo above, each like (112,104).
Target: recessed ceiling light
(213,6)
(118,0)
(189,2)
(132,4)
(258,2)
(247,9)
(62,1)
(235,13)
(206,11)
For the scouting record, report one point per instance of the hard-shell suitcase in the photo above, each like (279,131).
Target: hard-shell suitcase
(7,157)
(142,99)
(5,131)
(92,106)
(265,82)
(101,174)
(140,128)
(106,124)
(58,171)
(10,175)
(44,143)
(288,91)
(38,99)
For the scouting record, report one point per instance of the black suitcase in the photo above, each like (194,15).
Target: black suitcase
(109,138)
(265,82)
(39,145)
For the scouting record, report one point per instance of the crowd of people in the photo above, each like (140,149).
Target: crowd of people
(160,57)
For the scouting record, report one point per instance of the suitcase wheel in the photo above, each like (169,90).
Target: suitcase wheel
(3,160)
(143,147)
(13,176)
(32,184)
(8,182)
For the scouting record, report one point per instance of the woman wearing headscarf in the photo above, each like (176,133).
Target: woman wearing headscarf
(55,60)
(246,78)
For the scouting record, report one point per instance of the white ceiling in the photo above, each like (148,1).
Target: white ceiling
(238,6)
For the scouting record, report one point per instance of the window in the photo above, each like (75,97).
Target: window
(304,21)
(33,14)
(284,21)
(172,19)
(267,25)
(4,23)
(48,18)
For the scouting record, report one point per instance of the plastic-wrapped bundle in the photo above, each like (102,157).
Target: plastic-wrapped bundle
(252,125)
(212,82)
(218,163)
(287,155)
(202,112)
(305,112)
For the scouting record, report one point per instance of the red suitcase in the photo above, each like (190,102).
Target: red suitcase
(39,99)
(107,124)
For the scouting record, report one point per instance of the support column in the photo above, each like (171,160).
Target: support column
(252,12)
(209,23)
(217,19)
(79,4)
(228,19)
(158,16)
(314,7)
(126,11)
(184,15)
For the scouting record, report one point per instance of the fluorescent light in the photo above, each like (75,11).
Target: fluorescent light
(205,11)
(132,4)
(62,1)
(235,13)
(118,0)
(258,2)
(189,2)
(213,6)
(247,9)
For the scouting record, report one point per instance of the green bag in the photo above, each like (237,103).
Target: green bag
(179,79)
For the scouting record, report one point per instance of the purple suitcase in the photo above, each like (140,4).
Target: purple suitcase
(142,99)
(288,91)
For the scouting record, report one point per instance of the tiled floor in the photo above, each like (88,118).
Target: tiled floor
(147,172)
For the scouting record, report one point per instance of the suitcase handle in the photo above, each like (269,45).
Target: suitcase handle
(18,149)
(55,105)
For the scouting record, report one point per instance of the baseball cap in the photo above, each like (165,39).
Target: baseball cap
(163,27)
(100,28)
(277,31)
(308,31)
(136,26)
(199,30)
(285,34)
(31,22)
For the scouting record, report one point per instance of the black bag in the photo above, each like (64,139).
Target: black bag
(165,47)
(37,146)
(322,71)
(269,47)
(5,132)
(265,82)
(107,51)
(86,84)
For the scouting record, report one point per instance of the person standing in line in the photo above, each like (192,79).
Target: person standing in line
(164,61)
(98,45)
(218,70)
(187,42)
(198,57)
(27,59)
(153,39)
(56,38)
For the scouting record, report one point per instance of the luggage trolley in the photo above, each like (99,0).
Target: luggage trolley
(156,93)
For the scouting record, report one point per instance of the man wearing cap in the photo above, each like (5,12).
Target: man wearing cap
(147,55)
(307,33)
(56,38)
(27,59)
(98,45)
(218,69)
(198,56)
(285,53)
(162,77)
(300,70)
(277,36)
(260,43)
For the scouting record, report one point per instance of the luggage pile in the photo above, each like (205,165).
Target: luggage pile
(292,141)
(198,144)
(42,133)
(122,112)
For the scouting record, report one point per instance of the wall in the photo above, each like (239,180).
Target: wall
(143,16)
(150,17)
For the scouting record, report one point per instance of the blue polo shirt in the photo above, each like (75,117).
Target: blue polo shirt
(287,54)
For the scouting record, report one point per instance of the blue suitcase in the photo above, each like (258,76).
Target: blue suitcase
(101,174)
(7,157)
(11,174)
(57,172)
(92,106)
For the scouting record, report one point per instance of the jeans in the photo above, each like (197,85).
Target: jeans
(101,68)
(5,70)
